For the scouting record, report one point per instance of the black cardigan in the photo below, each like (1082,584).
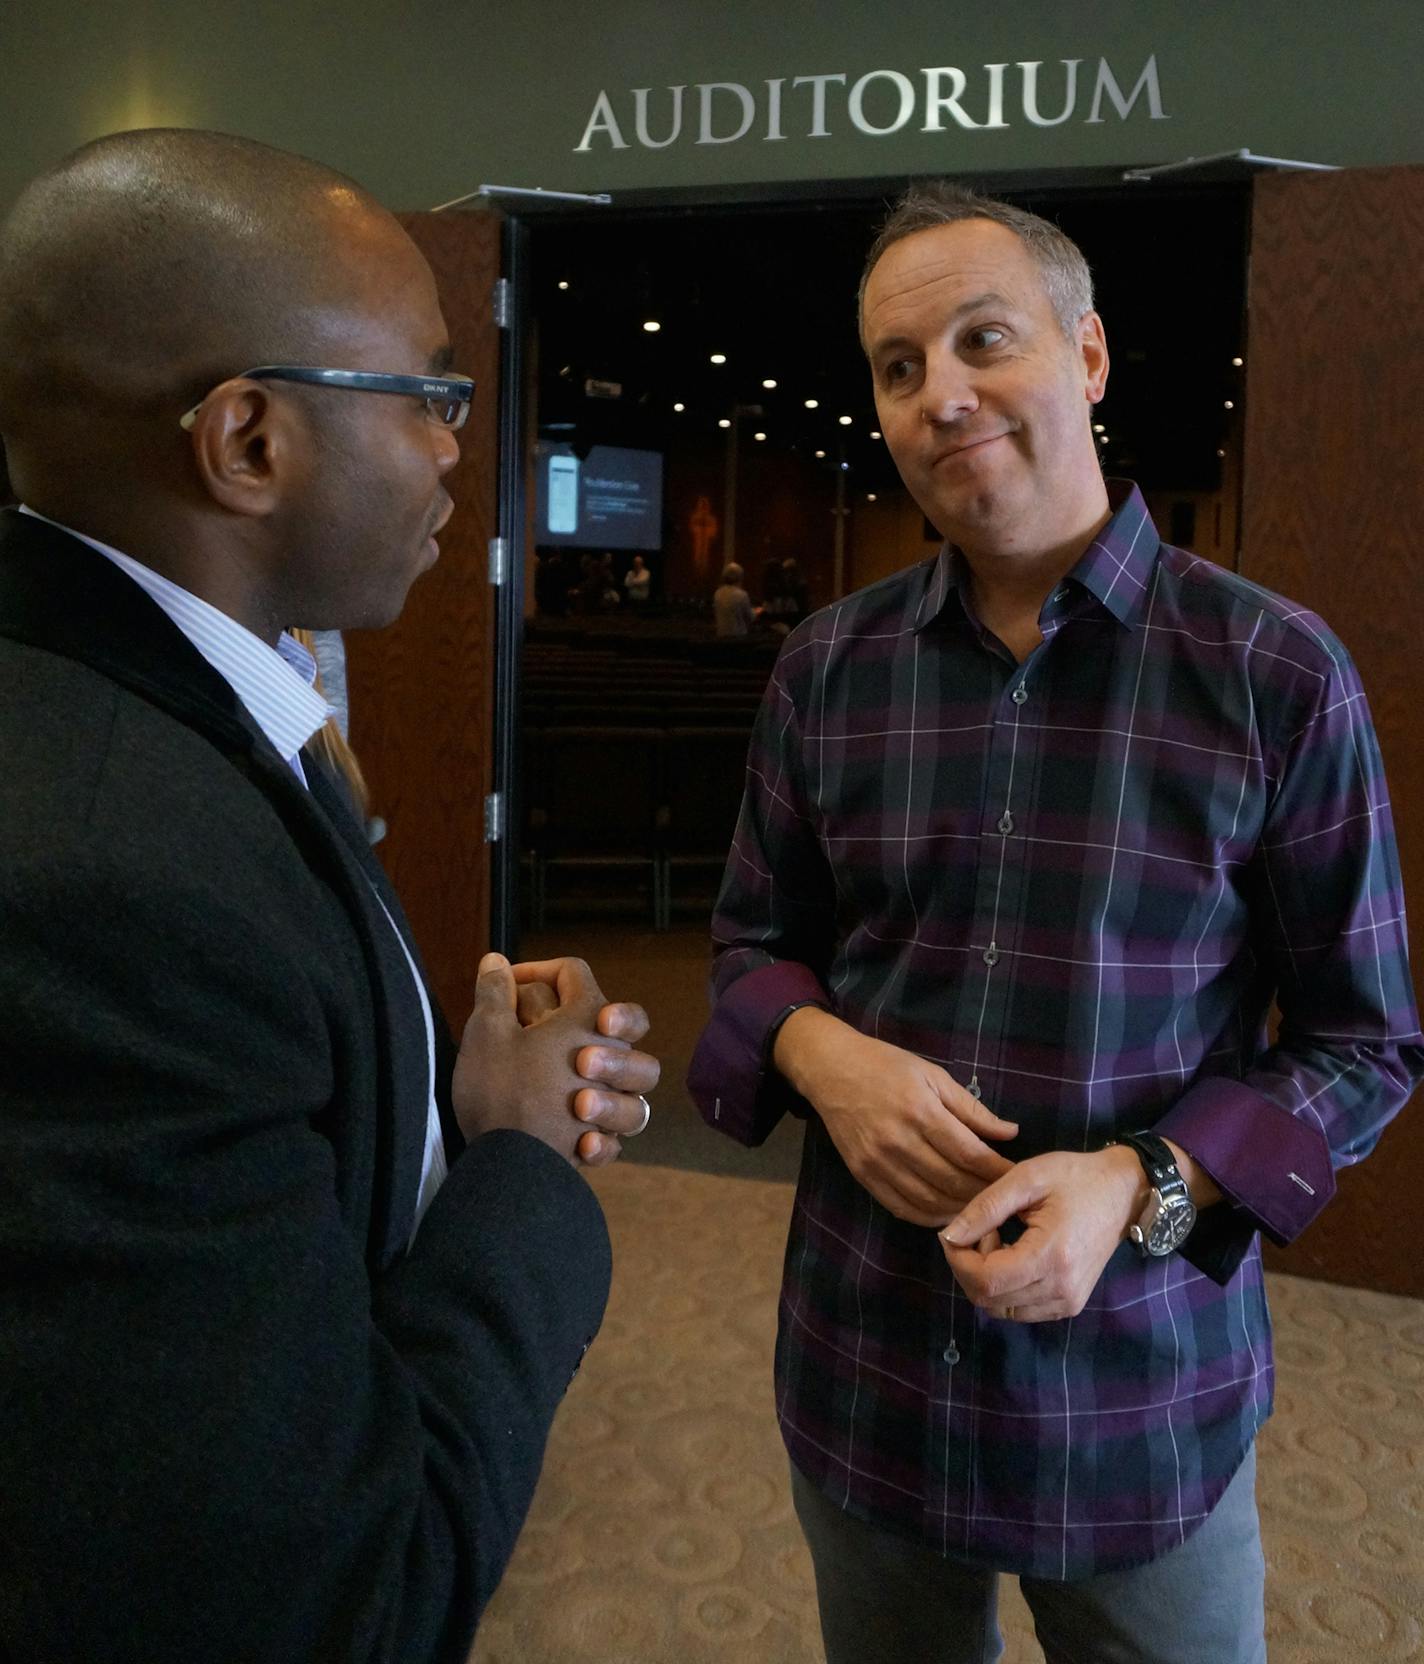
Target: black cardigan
(238,1419)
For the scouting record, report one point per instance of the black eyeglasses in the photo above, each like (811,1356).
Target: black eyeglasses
(447,398)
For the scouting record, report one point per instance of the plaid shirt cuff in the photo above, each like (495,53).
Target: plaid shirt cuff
(731,1078)
(1272,1165)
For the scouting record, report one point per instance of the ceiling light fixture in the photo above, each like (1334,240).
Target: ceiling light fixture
(724,422)
(845,421)
(758,436)
(820,455)
(719,358)
(813,404)
(651,325)
(679,407)
(770,384)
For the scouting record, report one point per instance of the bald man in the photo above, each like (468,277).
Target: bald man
(293,1288)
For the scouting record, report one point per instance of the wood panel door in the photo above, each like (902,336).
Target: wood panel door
(421,691)
(1333,516)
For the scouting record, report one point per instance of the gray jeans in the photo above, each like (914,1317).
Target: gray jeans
(886,1600)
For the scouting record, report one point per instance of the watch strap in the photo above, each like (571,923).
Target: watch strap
(779,1019)
(1158,1162)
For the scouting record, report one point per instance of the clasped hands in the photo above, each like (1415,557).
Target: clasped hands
(917,1141)
(543,1052)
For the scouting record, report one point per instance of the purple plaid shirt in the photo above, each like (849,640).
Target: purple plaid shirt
(1076,883)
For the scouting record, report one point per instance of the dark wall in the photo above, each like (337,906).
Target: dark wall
(784,504)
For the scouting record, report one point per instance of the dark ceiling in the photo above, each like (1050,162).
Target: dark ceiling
(774,290)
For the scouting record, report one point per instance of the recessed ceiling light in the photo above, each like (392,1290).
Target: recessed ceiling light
(1099,428)
(870,496)
(563,283)
(679,407)
(770,384)
(1238,362)
(1230,405)
(1221,453)
(875,433)
(813,404)
(719,358)
(758,436)
(651,325)
(820,454)
(724,422)
(845,421)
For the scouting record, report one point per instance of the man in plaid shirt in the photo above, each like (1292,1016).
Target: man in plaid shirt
(1034,834)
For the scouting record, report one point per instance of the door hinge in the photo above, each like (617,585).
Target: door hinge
(498,560)
(494,817)
(503,303)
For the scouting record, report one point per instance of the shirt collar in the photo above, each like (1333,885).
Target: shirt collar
(275,684)
(1115,568)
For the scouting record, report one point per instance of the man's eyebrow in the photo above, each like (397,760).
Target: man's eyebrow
(440,361)
(991,297)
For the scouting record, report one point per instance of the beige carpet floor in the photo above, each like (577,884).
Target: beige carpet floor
(662,1532)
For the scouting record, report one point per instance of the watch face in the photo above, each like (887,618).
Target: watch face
(1172,1226)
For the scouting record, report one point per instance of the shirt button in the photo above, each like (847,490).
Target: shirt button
(991,954)
(951,1353)
(1020,694)
(1006,823)
(974,1089)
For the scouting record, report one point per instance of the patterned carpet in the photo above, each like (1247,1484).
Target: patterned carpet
(663,1533)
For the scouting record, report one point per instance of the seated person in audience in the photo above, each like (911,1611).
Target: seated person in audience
(294,1286)
(795,590)
(638,582)
(777,609)
(551,584)
(731,605)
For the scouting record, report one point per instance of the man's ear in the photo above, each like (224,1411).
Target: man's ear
(1093,345)
(249,447)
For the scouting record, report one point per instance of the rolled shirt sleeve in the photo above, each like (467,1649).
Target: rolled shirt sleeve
(772,931)
(1328,920)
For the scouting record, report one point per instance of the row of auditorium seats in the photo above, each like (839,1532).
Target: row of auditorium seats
(649,803)
(619,686)
(635,751)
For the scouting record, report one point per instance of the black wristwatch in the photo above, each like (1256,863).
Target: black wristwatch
(1167,1220)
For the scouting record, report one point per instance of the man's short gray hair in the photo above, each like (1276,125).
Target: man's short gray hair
(1066,278)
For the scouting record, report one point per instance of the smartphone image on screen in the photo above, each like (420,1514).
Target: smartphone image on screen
(563,493)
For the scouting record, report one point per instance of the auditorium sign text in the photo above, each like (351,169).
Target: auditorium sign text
(880,102)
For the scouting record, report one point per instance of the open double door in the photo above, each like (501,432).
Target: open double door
(1332,515)
(423,692)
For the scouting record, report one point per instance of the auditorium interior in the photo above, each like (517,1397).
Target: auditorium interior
(709,364)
